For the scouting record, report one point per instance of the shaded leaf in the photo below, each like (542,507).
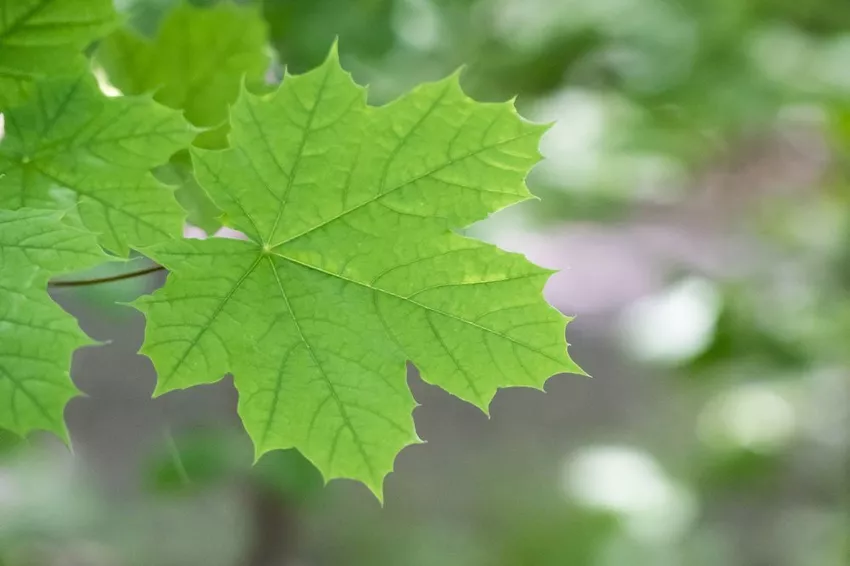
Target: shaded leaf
(196,63)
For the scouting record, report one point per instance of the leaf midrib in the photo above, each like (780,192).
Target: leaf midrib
(276,254)
(402,185)
(330,385)
(25,17)
(419,304)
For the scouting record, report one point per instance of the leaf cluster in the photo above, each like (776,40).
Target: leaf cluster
(350,263)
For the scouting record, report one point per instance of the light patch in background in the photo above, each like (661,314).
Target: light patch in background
(2,127)
(780,52)
(825,410)
(192,232)
(528,24)
(674,325)
(830,63)
(587,150)
(787,55)
(417,23)
(630,483)
(41,489)
(759,417)
(575,146)
(103,83)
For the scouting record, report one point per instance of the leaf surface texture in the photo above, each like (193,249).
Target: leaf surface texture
(37,337)
(70,145)
(353,267)
(42,38)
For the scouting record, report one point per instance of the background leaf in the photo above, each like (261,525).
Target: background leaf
(196,63)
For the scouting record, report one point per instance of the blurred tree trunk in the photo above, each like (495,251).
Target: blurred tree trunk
(275,529)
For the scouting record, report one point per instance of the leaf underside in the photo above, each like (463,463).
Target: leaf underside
(352,268)
(196,63)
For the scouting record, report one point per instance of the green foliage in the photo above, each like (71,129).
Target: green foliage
(195,64)
(38,338)
(351,269)
(71,145)
(44,38)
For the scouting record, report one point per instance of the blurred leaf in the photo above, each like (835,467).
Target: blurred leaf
(199,459)
(290,474)
(741,334)
(193,461)
(302,31)
(9,441)
(738,471)
(196,63)
(541,538)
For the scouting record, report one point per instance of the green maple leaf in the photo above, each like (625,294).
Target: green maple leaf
(71,144)
(352,268)
(41,38)
(37,337)
(196,63)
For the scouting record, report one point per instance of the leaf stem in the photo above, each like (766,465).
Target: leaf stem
(176,459)
(109,279)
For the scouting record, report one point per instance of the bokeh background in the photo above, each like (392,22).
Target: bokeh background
(696,198)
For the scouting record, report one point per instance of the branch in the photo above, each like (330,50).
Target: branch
(110,279)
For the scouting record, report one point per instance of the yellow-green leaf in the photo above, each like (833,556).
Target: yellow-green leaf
(353,267)
(37,337)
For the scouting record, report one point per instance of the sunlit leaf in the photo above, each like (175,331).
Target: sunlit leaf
(70,145)
(352,268)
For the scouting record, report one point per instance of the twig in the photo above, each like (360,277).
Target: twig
(109,279)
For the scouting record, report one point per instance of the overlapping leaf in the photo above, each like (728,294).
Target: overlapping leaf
(71,144)
(43,38)
(196,63)
(37,337)
(352,268)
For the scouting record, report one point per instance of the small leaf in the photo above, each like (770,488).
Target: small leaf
(37,337)
(43,38)
(70,145)
(352,267)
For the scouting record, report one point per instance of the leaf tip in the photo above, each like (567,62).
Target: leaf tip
(161,388)
(457,74)
(259,452)
(332,57)
(377,489)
